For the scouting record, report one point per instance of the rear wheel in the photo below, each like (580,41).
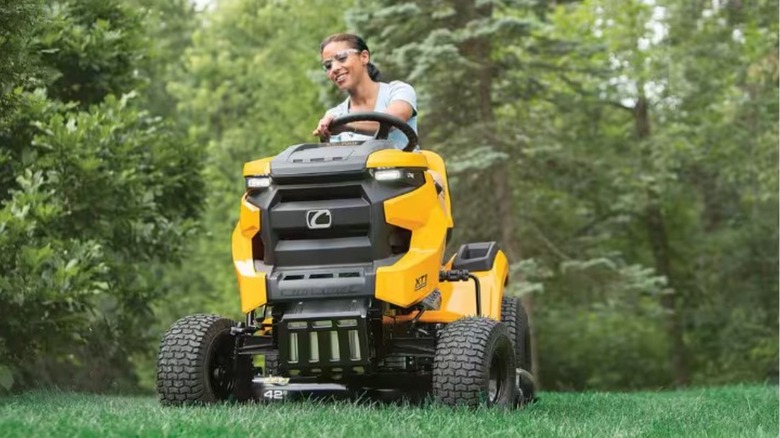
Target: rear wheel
(514,316)
(526,386)
(516,320)
(474,364)
(196,363)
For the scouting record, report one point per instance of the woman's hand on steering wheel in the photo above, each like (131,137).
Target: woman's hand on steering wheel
(323,130)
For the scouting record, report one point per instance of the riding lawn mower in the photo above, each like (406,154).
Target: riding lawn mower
(339,254)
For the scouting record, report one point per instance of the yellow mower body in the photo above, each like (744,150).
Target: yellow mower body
(339,252)
(416,274)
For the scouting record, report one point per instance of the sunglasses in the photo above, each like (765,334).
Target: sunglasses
(340,57)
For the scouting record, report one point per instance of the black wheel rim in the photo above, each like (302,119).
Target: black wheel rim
(220,368)
(496,378)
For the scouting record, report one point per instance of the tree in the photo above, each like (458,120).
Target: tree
(97,191)
(670,75)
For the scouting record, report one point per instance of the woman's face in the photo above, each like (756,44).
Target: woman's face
(345,65)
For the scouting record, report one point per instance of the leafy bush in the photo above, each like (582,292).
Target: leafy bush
(601,348)
(609,332)
(112,192)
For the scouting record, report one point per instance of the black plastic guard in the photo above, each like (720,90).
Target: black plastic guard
(324,335)
(476,257)
(316,284)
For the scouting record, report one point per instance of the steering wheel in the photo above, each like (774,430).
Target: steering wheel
(386,121)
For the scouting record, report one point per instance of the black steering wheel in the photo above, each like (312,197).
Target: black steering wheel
(386,121)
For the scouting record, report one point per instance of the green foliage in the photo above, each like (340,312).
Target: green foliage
(90,49)
(109,193)
(609,347)
(121,177)
(47,283)
(97,194)
(17,23)
(608,333)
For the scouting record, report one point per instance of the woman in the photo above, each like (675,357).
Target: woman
(347,61)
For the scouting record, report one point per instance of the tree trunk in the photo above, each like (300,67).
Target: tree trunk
(659,242)
(479,50)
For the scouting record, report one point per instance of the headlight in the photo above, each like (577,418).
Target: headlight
(388,174)
(397,174)
(258,182)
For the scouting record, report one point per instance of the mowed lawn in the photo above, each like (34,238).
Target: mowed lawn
(747,411)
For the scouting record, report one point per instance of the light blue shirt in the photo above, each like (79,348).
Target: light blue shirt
(395,90)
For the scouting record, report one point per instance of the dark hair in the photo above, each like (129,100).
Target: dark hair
(355,42)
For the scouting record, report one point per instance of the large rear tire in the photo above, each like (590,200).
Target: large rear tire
(516,320)
(196,363)
(475,364)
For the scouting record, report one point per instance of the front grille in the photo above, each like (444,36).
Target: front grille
(308,224)
(360,230)
(315,193)
(344,238)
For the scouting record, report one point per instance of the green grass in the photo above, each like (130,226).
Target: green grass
(748,411)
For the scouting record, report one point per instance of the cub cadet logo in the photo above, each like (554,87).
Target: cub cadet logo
(318,219)
(420,282)
(275,380)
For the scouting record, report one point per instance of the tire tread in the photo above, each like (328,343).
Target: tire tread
(514,316)
(181,373)
(459,372)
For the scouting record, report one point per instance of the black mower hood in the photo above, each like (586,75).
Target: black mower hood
(311,159)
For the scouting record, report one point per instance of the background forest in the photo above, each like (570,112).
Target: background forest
(624,153)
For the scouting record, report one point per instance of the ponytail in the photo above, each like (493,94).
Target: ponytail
(373,72)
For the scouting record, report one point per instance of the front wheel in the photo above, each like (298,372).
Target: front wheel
(196,363)
(475,364)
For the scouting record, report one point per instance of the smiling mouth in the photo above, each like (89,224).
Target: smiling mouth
(341,78)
